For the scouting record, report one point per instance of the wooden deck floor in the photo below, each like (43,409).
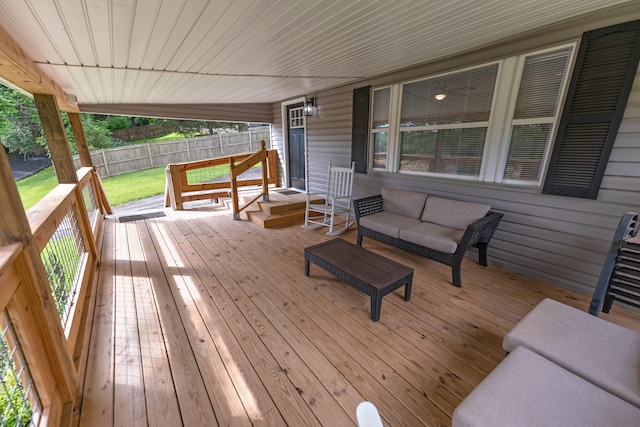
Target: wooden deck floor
(201,321)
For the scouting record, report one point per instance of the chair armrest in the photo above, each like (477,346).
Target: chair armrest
(480,231)
(367,206)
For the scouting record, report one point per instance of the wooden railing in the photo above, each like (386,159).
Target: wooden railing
(178,189)
(236,170)
(47,327)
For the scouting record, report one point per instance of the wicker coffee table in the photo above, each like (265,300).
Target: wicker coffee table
(367,271)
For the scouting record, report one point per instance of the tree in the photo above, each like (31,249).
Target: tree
(191,128)
(114,122)
(8,109)
(96,132)
(20,125)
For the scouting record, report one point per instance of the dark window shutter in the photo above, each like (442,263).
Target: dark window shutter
(360,128)
(602,78)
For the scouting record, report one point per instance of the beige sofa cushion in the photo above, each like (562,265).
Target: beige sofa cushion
(402,202)
(606,354)
(387,223)
(453,213)
(433,236)
(526,389)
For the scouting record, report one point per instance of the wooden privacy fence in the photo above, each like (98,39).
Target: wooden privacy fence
(188,182)
(115,161)
(45,297)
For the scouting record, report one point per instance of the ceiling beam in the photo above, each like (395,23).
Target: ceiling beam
(249,112)
(19,71)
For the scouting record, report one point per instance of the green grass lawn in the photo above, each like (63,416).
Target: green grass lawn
(175,136)
(132,186)
(120,189)
(35,187)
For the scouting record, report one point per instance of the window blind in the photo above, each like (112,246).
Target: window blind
(534,113)
(463,97)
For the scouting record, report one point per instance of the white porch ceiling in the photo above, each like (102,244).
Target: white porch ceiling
(254,51)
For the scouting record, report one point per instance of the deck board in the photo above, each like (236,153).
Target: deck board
(161,400)
(202,320)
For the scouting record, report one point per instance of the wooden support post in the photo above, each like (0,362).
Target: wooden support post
(56,137)
(81,140)
(265,177)
(87,161)
(234,189)
(58,145)
(176,185)
(273,167)
(168,189)
(33,309)
(105,205)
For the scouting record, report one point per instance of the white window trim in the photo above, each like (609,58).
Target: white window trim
(373,131)
(499,125)
(486,124)
(510,122)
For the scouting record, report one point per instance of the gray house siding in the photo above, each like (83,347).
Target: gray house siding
(328,137)
(560,240)
(277,142)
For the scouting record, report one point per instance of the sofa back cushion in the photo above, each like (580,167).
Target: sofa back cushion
(402,202)
(453,213)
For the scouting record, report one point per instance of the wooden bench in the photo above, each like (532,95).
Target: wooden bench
(366,271)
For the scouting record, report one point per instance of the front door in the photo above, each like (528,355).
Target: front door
(297,169)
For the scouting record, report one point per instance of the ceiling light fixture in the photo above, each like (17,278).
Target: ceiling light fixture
(440,96)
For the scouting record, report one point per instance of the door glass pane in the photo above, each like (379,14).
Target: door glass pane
(296,117)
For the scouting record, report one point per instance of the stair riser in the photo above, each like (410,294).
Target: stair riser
(276,221)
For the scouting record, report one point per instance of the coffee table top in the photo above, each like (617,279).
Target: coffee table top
(367,266)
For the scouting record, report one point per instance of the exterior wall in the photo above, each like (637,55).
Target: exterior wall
(560,240)
(328,137)
(277,142)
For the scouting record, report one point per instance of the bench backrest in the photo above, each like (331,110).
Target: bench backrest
(620,276)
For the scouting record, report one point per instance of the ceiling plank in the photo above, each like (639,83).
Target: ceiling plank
(20,72)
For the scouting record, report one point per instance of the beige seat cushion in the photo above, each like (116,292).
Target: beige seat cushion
(453,213)
(387,223)
(434,236)
(402,202)
(602,352)
(526,389)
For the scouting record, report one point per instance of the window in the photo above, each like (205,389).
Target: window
(380,127)
(487,123)
(535,112)
(444,120)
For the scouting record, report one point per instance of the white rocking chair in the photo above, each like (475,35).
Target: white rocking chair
(337,202)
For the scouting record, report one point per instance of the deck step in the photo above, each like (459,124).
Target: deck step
(281,209)
(280,220)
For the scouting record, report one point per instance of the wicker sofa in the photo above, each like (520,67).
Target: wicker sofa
(434,227)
